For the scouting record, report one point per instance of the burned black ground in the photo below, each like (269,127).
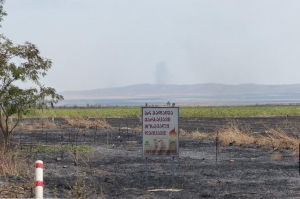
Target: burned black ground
(116,169)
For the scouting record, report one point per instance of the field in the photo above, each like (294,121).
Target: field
(223,154)
(124,112)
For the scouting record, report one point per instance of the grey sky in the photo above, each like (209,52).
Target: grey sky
(108,43)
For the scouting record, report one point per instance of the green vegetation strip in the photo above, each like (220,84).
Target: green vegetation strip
(241,111)
(42,148)
(118,112)
(89,113)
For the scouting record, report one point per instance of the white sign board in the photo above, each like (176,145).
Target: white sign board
(160,131)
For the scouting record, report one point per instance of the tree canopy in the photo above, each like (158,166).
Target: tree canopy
(20,64)
(2,12)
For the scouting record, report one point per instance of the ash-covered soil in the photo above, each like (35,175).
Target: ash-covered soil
(116,169)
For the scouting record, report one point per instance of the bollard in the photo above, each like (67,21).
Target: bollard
(39,183)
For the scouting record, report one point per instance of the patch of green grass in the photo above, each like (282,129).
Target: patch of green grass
(136,112)
(89,113)
(240,111)
(48,149)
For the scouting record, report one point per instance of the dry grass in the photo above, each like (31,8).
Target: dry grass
(15,165)
(11,162)
(37,125)
(193,134)
(86,123)
(277,139)
(232,135)
(273,138)
(47,123)
(98,172)
(276,156)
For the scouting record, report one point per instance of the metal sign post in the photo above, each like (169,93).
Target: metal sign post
(173,172)
(146,173)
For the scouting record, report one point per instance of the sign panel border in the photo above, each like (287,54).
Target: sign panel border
(176,128)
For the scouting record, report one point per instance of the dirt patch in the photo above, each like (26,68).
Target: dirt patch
(116,169)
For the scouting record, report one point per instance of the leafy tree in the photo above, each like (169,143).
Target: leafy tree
(2,12)
(20,64)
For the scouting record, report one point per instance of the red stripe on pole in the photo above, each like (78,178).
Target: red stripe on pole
(39,183)
(39,165)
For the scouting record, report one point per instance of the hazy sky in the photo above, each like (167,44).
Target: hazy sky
(110,43)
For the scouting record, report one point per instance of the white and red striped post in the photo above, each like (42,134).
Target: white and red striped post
(39,183)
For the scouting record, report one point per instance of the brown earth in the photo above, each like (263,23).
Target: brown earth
(116,169)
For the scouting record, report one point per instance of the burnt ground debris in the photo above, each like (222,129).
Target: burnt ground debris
(116,169)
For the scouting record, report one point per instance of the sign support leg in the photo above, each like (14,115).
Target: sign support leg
(173,171)
(147,173)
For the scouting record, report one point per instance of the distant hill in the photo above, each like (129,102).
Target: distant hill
(210,94)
